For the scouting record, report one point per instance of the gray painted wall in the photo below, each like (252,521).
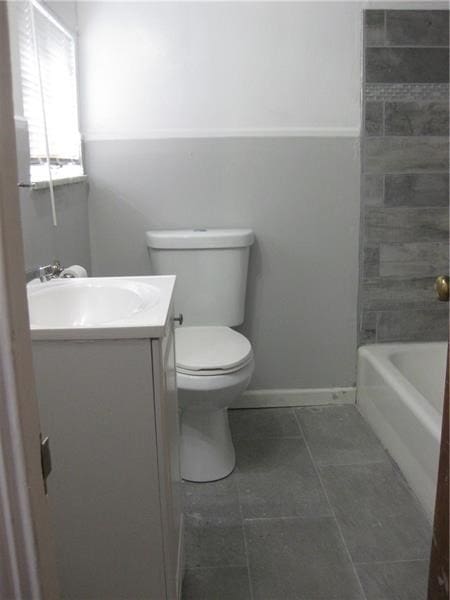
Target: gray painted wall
(69,242)
(404,239)
(301,197)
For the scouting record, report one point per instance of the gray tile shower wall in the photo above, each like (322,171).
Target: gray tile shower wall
(405,175)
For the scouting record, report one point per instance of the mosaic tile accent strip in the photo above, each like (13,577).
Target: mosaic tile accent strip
(406,92)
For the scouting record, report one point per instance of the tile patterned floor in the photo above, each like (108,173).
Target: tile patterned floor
(315,510)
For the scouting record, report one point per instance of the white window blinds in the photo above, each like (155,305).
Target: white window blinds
(49,92)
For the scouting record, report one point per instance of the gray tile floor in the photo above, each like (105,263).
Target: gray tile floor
(315,510)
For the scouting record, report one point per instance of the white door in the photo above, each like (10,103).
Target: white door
(27,565)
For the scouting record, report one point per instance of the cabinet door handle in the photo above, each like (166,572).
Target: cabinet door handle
(179,319)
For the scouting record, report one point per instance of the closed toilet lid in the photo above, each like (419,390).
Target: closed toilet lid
(211,348)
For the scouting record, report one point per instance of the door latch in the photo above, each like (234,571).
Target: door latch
(46,459)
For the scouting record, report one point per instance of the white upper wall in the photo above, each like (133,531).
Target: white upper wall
(192,68)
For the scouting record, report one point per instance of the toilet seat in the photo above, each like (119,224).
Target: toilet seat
(211,350)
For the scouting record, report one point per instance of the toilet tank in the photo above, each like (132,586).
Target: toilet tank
(211,268)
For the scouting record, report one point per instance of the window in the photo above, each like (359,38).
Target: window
(49,93)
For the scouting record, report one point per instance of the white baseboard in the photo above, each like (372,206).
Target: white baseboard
(295,397)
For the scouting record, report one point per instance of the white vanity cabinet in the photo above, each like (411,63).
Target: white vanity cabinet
(109,407)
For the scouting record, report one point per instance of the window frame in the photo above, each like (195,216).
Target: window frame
(57,21)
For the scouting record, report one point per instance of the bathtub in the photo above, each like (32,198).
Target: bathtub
(400,392)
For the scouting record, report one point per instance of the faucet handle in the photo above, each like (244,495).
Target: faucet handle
(45,272)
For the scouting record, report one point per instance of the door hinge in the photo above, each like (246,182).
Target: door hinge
(46,459)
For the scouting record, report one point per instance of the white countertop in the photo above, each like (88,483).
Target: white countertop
(152,321)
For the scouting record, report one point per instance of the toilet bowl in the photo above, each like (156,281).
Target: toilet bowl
(214,366)
(214,363)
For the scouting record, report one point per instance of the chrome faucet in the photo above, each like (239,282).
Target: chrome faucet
(52,271)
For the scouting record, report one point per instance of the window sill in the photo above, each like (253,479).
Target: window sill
(43,185)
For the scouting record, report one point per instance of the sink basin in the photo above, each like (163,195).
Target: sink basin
(84,303)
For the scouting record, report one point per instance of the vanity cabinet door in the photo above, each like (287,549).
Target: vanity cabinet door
(97,406)
(168,443)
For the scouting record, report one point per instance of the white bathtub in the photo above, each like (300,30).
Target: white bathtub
(400,393)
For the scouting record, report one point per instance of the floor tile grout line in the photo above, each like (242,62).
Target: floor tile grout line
(215,567)
(250,585)
(290,409)
(386,457)
(402,479)
(410,47)
(390,562)
(293,411)
(316,469)
(354,464)
(268,437)
(290,518)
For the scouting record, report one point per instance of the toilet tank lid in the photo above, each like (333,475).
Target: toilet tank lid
(175,239)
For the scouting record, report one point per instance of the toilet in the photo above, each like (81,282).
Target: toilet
(214,362)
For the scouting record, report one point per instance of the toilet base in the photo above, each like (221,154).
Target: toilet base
(207,451)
